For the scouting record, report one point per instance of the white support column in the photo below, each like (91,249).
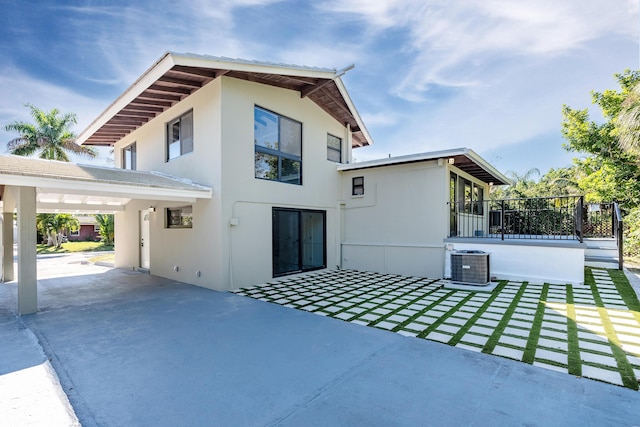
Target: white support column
(27,269)
(8,273)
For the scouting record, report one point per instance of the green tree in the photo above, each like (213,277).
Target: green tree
(616,169)
(107,227)
(628,122)
(50,137)
(54,227)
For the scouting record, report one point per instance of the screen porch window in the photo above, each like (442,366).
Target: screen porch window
(334,148)
(278,147)
(180,136)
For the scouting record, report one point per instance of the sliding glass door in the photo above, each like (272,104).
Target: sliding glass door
(299,242)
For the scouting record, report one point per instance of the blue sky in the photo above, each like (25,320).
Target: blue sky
(491,75)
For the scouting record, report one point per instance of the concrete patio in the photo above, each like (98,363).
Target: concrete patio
(134,349)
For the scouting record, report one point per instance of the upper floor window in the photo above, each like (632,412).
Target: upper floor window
(180,136)
(129,157)
(278,147)
(334,148)
(357,186)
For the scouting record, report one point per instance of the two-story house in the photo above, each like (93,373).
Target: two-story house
(265,137)
(231,172)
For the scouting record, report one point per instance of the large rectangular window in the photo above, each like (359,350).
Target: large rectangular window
(299,242)
(129,157)
(278,147)
(180,136)
(334,148)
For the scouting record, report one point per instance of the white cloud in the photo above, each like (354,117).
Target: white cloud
(452,42)
(46,96)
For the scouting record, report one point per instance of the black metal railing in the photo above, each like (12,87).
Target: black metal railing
(535,218)
(618,232)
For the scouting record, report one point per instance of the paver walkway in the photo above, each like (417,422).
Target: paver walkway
(591,330)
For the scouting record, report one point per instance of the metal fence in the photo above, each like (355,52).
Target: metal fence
(535,218)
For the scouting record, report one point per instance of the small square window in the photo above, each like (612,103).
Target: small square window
(357,186)
(181,217)
(334,148)
(74,233)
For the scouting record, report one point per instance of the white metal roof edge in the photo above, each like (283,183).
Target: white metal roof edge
(238,64)
(147,78)
(356,115)
(419,157)
(487,166)
(169,59)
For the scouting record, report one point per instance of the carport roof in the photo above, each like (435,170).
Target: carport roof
(62,185)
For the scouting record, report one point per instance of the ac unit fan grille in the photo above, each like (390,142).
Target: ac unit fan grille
(470,267)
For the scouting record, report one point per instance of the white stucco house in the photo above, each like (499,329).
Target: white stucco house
(234,172)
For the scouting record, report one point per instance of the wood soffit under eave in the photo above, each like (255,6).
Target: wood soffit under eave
(181,81)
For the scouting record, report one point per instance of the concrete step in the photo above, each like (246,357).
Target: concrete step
(601,243)
(601,262)
(601,252)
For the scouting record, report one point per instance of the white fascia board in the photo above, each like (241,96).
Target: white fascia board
(410,158)
(354,111)
(72,208)
(434,155)
(212,62)
(149,77)
(106,189)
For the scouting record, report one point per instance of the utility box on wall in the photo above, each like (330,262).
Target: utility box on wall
(470,267)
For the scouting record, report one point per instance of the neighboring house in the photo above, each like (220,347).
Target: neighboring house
(89,230)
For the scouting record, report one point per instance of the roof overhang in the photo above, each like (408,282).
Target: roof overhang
(176,76)
(69,187)
(464,159)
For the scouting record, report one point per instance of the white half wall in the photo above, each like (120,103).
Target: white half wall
(419,261)
(558,262)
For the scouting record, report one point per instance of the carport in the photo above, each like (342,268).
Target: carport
(30,186)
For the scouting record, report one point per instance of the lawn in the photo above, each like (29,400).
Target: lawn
(70,247)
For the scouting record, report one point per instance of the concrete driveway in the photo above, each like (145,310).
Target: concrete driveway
(134,349)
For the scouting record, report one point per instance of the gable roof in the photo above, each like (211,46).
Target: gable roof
(464,159)
(62,185)
(176,76)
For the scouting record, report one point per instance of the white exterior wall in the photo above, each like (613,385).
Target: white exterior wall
(535,262)
(196,249)
(249,201)
(227,256)
(398,226)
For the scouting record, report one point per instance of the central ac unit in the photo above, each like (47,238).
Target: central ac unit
(470,267)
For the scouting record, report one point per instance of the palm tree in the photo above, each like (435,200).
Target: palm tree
(53,227)
(628,122)
(50,136)
(107,230)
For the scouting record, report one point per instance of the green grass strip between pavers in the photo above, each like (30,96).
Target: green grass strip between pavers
(492,342)
(478,314)
(532,343)
(624,367)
